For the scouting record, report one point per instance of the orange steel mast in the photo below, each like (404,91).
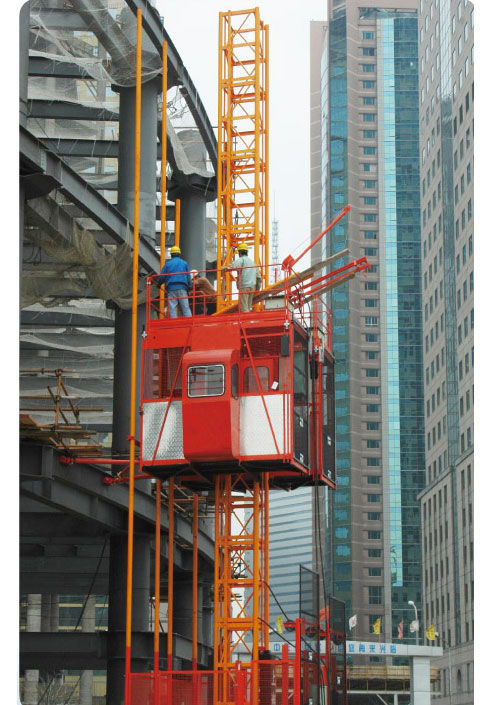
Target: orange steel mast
(241,560)
(241,508)
(242,173)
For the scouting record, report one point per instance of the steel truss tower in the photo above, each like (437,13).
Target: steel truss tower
(242,174)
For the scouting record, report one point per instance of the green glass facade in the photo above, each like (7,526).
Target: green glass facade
(391,135)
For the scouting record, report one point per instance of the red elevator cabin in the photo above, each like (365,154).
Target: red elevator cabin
(238,392)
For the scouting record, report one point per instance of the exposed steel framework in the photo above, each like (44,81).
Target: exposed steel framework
(242,177)
(241,578)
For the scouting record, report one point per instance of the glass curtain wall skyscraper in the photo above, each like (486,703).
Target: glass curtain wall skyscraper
(368,158)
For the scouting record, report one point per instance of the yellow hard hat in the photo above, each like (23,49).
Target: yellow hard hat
(175,250)
(243,247)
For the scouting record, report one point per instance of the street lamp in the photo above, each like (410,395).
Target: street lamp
(410,602)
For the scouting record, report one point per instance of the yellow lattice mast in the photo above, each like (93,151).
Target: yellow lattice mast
(241,520)
(242,142)
(241,579)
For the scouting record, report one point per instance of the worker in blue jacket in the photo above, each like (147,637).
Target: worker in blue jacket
(177,282)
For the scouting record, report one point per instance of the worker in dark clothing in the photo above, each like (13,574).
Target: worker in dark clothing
(205,296)
(176,279)
(266,676)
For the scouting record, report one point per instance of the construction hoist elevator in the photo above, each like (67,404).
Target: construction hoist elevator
(235,405)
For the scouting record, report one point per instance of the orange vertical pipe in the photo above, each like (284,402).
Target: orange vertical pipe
(134,305)
(265,589)
(177,231)
(266,157)
(219,161)
(156,634)
(195,582)
(163,169)
(255,593)
(170,587)
(216,601)
(194,655)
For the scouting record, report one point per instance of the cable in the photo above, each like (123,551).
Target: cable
(78,622)
(276,600)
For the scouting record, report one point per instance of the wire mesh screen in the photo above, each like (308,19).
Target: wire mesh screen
(309,610)
(161,367)
(183,688)
(337,618)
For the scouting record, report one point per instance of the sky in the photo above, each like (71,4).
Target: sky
(193,27)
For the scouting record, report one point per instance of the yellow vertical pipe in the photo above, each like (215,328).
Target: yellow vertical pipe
(219,161)
(265,589)
(266,157)
(195,582)
(257,138)
(156,634)
(216,595)
(255,597)
(163,169)
(134,306)
(177,231)
(170,586)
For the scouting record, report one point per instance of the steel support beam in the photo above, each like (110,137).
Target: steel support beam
(78,490)
(79,650)
(35,155)
(49,68)
(64,110)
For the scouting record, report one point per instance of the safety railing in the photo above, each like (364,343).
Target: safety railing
(194,294)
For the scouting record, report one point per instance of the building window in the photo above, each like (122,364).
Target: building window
(373,480)
(373,443)
(373,390)
(374,572)
(375,595)
(369,183)
(372,408)
(368,51)
(374,535)
(368,150)
(373,462)
(374,516)
(371,372)
(368,68)
(369,200)
(369,134)
(368,117)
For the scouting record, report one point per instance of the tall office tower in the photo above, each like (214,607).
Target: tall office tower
(368,122)
(446,48)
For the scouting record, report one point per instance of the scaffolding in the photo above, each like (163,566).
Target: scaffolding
(242,173)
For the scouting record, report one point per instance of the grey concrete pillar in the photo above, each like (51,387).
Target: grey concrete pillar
(23,61)
(183,609)
(148,161)
(122,378)
(87,677)
(420,680)
(33,624)
(193,228)
(140,662)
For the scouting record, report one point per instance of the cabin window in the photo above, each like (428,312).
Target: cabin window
(206,380)
(250,384)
